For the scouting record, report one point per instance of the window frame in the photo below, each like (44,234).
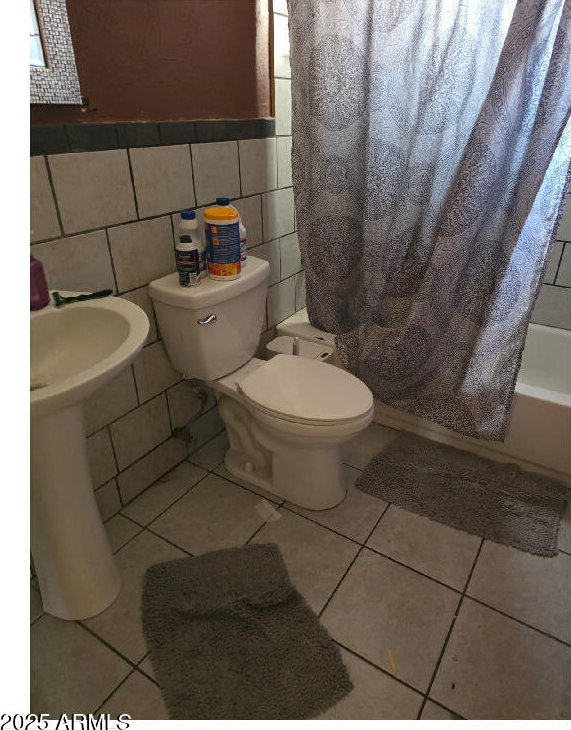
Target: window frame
(57,82)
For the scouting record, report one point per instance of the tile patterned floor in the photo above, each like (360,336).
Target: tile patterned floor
(475,630)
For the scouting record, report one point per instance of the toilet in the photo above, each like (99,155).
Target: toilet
(287,417)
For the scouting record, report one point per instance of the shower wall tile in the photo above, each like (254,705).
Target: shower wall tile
(172,167)
(553,307)
(43,216)
(93,189)
(270,252)
(564,273)
(140,431)
(78,263)
(278,216)
(141,298)
(283,106)
(142,252)
(281,48)
(107,498)
(281,301)
(154,372)
(216,171)
(110,402)
(250,210)
(299,291)
(153,465)
(284,161)
(553,262)
(101,459)
(258,165)
(290,255)
(564,230)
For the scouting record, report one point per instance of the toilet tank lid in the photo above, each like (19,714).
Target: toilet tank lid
(209,291)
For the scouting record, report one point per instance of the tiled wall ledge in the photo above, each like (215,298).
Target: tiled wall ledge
(57,138)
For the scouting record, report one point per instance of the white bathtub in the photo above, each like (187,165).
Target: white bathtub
(539,436)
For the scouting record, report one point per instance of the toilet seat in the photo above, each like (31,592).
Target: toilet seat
(305,391)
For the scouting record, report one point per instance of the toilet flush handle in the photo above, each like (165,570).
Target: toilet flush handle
(208,319)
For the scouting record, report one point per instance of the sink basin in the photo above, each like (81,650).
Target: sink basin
(75,350)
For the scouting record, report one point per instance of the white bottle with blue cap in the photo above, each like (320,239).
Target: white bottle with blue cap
(242,227)
(188,250)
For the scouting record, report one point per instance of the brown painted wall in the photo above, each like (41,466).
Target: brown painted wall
(157,60)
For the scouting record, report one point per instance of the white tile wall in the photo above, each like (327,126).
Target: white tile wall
(93,189)
(258,165)
(140,431)
(107,498)
(163,179)
(270,252)
(553,262)
(216,171)
(77,263)
(564,273)
(284,161)
(153,465)
(564,230)
(553,307)
(278,216)
(251,213)
(283,106)
(184,403)
(153,371)
(43,216)
(281,47)
(142,251)
(281,301)
(110,402)
(280,6)
(141,298)
(101,458)
(290,255)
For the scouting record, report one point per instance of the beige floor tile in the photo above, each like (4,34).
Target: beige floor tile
(382,606)
(36,605)
(71,671)
(163,493)
(120,624)
(375,696)
(212,454)
(432,711)
(533,589)
(215,514)
(120,531)
(147,667)
(565,529)
(223,472)
(138,697)
(425,545)
(355,517)
(359,450)
(316,558)
(497,669)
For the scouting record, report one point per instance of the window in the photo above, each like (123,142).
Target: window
(53,75)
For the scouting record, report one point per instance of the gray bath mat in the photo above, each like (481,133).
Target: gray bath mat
(232,639)
(500,502)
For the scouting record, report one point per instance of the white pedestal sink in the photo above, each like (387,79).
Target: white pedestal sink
(75,349)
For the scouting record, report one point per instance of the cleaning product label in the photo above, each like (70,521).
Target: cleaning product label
(223,243)
(187,264)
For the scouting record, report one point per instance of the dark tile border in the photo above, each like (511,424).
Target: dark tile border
(52,139)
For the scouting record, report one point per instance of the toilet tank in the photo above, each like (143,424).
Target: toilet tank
(212,329)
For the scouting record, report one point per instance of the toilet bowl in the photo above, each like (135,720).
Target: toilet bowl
(287,417)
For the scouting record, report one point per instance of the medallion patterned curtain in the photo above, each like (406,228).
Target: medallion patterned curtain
(431,149)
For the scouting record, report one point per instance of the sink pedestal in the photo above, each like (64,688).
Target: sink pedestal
(76,569)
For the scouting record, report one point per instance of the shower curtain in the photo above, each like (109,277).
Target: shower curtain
(431,150)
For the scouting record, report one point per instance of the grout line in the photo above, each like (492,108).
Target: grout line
(133,186)
(116,651)
(122,682)
(359,551)
(239,168)
(452,624)
(379,668)
(559,264)
(106,234)
(170,542)
(53,191)
(192,177)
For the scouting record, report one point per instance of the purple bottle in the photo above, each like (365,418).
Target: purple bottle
(39,294)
